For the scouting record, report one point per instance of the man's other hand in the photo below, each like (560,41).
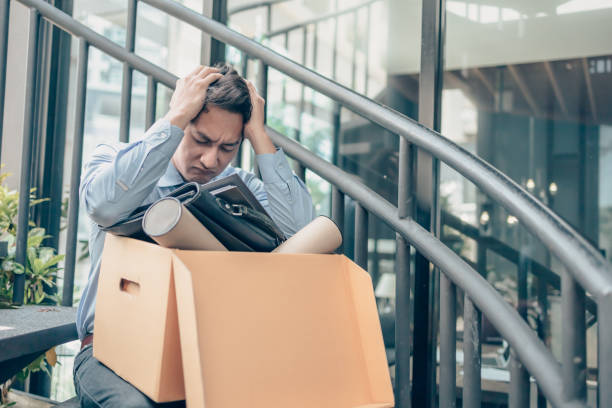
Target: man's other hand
(254,129)
(189,95)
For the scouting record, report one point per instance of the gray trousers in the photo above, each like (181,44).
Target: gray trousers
(98,386)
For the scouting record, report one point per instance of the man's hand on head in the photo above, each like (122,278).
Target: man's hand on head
(189,95)
(254,129)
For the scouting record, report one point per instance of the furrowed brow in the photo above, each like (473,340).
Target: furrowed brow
(203,136)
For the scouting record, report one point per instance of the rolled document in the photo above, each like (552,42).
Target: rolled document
(321,236)
(172,225)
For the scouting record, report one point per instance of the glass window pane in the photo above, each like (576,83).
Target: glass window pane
(525,88)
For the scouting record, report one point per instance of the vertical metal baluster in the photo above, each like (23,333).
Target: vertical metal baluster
(471,355)
(4,26)
(126,87)
(574,339)
(519,383)
(361,236)
(284,93)
(262,87)
(542,289)
(448,343)
(315,51)
(337,210)
(604,351)
(403,309)
(354,56)
(262,80)
(427,281)
(239,158)
(336,124)
(303,90)
(151,101)
(245,64)
(26,156)
(300,171)
(366,51)
(519,378)
(375,258)
(472,395)
(75,177)
(405,183)
(217,48)
(403,319)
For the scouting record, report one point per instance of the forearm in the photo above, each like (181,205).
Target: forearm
(117,181)
(261,142)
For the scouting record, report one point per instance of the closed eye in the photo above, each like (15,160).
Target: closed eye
(228,148)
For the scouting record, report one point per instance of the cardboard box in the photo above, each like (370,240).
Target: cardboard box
(256,329)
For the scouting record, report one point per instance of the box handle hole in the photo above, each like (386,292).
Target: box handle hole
(129,286)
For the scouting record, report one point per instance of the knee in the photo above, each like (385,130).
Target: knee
(132,399)
(98,386)
(126,398)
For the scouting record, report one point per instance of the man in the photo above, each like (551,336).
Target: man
(211,111)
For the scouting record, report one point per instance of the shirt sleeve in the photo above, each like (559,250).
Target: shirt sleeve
(117,179)
(282,194)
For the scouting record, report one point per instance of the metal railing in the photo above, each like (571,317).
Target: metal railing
(564,385)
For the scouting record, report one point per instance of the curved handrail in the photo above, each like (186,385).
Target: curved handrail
(583,261)
(531,350)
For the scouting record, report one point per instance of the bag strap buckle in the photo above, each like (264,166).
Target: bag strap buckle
(237,209)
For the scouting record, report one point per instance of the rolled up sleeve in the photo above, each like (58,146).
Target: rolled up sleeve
(288,201)
(118,178)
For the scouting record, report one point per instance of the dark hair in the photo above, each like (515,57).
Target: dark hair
(229,92)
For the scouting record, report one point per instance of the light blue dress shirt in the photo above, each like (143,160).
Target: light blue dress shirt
(119,178)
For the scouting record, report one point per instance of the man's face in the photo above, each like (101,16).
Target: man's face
(210,143)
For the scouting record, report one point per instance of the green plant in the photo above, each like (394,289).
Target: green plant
(40,271)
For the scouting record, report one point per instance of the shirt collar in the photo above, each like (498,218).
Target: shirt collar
(171,177)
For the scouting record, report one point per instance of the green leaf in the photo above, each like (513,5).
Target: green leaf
(8,265)
(36,232)
(53,261)
(35,241)
(18,270)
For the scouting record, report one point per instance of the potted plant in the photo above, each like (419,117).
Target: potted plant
(40,271)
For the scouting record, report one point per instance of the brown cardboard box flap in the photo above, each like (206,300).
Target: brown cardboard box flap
(273,330)
(136,322)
